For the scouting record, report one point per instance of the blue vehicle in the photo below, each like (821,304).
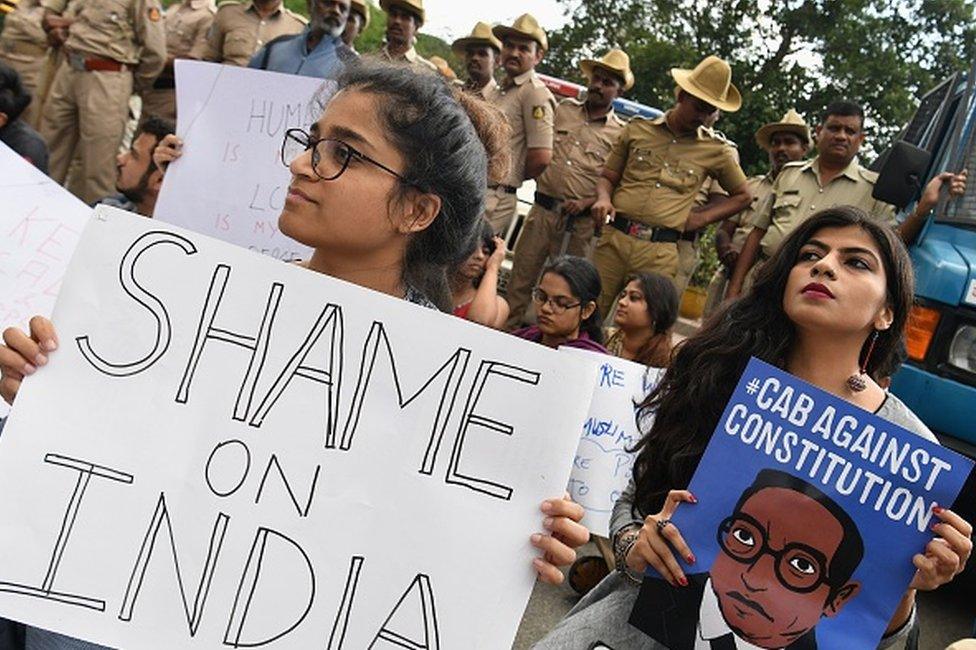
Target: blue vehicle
(938,381)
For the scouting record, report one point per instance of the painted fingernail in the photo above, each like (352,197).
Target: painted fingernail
(547,522)
(536,538)
(29,369)
(934,528)
(691,558)
(40,359)
(50,345)
(683,581)
(693,498)
(937,509)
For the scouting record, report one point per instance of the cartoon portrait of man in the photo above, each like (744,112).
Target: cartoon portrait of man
(786,557)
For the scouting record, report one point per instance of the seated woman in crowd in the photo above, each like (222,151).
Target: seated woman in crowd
(387,188)
(474,281)
(565,306)
(646,313)
(788,320)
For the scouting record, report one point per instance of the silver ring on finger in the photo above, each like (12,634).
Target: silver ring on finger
(662,524)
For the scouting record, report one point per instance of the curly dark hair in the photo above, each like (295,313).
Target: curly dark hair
(688,402)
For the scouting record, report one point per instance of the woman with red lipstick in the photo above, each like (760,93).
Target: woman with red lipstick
(829,307)
(646,313)
(565,306)
(388,188)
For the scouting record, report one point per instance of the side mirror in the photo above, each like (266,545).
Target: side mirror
(901,174)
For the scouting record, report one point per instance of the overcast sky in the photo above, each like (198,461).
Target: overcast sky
(451,19)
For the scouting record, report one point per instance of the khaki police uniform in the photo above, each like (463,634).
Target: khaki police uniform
(580,149)
(112,44)
(529,109)
(23,46)
(661,173)
(187,25)
(798,194)
(238,31)
(760,187)
(411,58)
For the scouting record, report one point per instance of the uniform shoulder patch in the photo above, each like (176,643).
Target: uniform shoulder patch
(538,112)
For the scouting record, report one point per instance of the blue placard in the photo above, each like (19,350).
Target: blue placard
(809,512)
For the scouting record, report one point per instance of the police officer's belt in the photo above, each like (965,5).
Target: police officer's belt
(508,189)
(643,231)
(83,63)
(547,202)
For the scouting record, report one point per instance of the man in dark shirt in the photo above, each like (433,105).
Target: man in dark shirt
(14,132)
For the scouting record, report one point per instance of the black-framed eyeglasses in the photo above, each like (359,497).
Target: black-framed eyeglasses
(559,304)
(330,157)
(799,567)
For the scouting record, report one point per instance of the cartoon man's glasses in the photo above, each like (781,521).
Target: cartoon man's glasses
(799,567)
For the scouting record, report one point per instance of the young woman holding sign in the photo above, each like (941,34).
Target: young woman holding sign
(387,188)
(830,307)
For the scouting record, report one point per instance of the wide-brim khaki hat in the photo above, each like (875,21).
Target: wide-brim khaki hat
(481,35)
(616,62)
(416,7)
(443,67)
(710,81)
(791,123)
(359,6)
(525,26)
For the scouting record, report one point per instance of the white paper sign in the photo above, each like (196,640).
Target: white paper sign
(230,182)
(40,223)
(231,451)
(603,465)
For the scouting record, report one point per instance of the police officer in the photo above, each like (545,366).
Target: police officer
(529,108)
(653,174)
(112,45)
(403,19)
(187,25)
(241,28)
(559,221)
(785,141)
(833,177)
(356,24)
(23,46)
(318,51)
(480,52)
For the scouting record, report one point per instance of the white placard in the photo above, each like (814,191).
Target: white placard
(230,182)
(603,465)
(40,223)
(228,451)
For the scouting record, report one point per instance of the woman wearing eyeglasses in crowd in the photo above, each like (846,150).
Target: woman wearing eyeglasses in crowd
(830,307)
(565,306)
(474,281)
(387,189)
(646,313)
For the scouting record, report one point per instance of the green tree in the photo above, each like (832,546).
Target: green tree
(790,53)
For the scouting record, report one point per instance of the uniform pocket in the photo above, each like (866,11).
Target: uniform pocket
(642,164)
(785,204)
(682,176)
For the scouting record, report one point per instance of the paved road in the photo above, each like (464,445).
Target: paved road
(946,615)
